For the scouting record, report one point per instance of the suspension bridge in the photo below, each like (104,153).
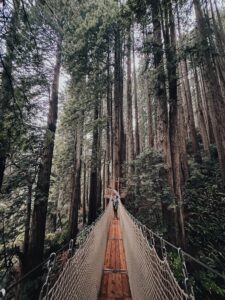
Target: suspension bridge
(117,262)
(116,259)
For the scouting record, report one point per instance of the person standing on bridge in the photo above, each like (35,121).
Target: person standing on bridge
(115,205)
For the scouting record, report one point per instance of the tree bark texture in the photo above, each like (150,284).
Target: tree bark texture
(174,134)
(36,246)
(136,112)
(93,193)
(213,91)
(7,97)
(130,137)
(119,145)
(76,186)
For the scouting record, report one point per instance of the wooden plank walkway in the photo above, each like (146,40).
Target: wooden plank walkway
(115,282)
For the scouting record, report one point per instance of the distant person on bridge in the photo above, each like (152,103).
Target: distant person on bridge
(115,201)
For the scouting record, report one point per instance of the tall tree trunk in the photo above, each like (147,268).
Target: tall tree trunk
(130,137)
(7,90)
(93,193)
(76,187)
(54,213)
(162,123)
(36,246)
(202,122)
(109,119)
(136,114)
(142,126)
(205,106)
(119,145)
(84,193)
(160,87)
(104,183)
(149,114)
(122,130)
(99,161)
(88,187)
(27,227)
(174,134)
(215,98)
(151,130)
(116,119)
(183,99)
(219,42)
(190,112)
(183,133)
(221,27)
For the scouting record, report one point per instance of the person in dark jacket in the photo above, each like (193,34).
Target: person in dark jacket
(115,206)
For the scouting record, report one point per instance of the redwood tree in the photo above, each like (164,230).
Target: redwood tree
(37,230)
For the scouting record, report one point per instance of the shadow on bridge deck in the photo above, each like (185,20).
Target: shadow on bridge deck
(115,282)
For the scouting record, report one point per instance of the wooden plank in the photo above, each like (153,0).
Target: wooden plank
(119,236)
(118,262)
(108,255)
(111,285)
(119,287)
(104,285)
(112,264)
(114,228)
(125,285)
(122,255)
(115,285)
(110,230)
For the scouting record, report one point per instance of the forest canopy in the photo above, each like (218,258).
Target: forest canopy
(122,94)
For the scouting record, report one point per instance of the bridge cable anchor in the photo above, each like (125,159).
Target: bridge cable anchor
(45,286)
(152,239)
(2,293)
(71,249)
(163,248)
(187,284)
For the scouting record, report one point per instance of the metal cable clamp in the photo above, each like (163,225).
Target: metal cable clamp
(152,239)
(187,284)
(163,248)
(2,293)
(50,266)
(71,249)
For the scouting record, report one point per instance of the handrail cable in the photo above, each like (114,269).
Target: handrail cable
(149,273)
(87,229)
(178,248)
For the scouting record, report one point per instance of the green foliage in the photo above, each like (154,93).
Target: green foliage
(148,190)
(205,218)
(88,36)
(208,282)
(176,266)
(88,30)
(55,240)
(28,48)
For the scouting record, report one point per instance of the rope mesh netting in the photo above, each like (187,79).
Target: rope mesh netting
(149,276)
(81,276)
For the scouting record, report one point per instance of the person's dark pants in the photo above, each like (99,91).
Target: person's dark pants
(115,212)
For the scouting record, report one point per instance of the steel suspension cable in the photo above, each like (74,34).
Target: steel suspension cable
(189,256)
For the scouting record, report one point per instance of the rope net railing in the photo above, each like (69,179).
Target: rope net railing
(150,276)
(80,278)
